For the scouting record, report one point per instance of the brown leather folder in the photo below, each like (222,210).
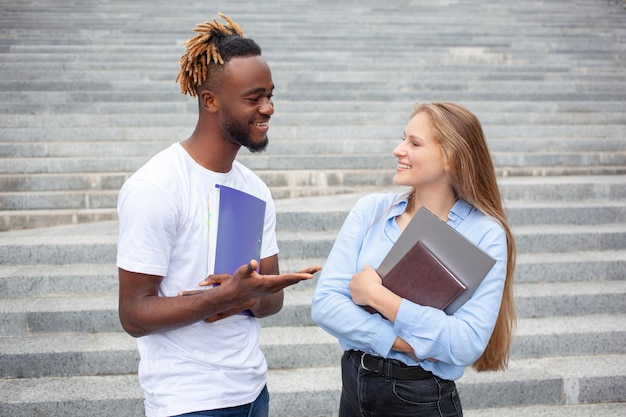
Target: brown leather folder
(463,258)
(423,279)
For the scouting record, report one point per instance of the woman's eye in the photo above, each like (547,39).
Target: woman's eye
(412,143)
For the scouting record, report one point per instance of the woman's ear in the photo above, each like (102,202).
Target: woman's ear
(209,101)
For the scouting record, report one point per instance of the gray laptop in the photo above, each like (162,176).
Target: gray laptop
(466,261)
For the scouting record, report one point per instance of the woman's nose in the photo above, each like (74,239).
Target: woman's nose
(399,150)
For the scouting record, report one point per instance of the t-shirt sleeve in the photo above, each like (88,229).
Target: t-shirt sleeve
(147,228)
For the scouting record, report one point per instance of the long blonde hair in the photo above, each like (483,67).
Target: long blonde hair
(473,180)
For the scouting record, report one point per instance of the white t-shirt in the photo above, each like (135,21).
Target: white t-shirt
(163,230)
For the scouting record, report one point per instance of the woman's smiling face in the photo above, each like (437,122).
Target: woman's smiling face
(420,159)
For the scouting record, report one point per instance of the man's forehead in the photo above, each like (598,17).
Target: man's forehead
(251,74)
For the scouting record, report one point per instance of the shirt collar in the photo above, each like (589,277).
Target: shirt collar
(459,211)
(398,208)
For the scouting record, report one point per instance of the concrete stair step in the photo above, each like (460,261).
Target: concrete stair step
(569,298)
(357,158)
(532,235)
(106,395)
(528,382)
(115,353)
(98,313)
(28,209)
(41,280)
(25,281)
(300,177)
(542,171)
(555,239)
(433,49)
(30,219)
(111,96)
(515,190)
(103,191)
(434,54)
(587,163)
(613,409)
(570,266)
(561,187)
(569,335)
(181,106)
(55,200)
(533,300)
(500,146)
(519,212)
(70,165)
(575,384)
(287,347)
(529,238)
(98,248)
(296,132)
(542,381)
(381,116)
(62,182)
(89,242)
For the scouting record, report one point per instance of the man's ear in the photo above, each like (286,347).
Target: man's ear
(209,101)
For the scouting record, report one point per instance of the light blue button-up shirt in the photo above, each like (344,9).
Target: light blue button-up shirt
(455,341)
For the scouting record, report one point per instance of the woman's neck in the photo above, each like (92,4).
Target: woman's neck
(440,206)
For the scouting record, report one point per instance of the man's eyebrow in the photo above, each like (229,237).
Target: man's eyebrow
(259,90)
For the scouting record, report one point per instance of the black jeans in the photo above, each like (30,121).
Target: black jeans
(367,394)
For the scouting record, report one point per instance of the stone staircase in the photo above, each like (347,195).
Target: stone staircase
(88,96)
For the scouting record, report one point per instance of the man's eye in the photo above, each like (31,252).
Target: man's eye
(260,98)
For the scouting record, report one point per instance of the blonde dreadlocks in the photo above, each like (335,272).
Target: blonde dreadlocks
(207,51)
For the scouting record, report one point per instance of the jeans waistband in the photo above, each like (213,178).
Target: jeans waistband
(390,368)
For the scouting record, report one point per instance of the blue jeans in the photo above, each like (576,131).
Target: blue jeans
(259,408)
(367,394)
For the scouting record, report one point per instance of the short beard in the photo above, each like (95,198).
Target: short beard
(252,147)
(242,137)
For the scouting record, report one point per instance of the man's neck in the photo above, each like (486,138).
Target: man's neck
(211,153)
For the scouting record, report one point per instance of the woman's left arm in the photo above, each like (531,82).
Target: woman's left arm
(460,338)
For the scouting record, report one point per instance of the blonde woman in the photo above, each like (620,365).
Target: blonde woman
(404,361)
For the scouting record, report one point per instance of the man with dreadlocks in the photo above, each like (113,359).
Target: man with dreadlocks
(199,355)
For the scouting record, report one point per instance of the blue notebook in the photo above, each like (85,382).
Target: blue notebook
(240,220)
(235,231)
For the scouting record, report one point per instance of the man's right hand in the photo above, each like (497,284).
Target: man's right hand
(249,286)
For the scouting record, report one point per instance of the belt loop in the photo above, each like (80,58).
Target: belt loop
(388,371)
(381,365)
